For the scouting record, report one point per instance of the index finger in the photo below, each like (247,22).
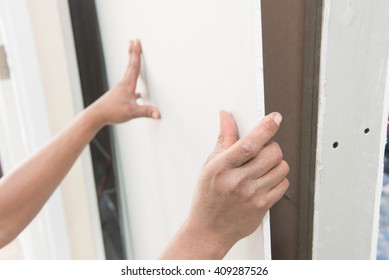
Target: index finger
(133,67)
(252,143)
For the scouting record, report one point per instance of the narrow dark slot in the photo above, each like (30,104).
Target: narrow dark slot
(94,83)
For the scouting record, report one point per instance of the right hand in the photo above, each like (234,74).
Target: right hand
(239,183)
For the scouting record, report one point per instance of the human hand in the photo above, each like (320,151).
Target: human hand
(119,104)
(238,184)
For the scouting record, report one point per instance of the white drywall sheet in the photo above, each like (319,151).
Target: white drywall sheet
(199,57)
(352,128)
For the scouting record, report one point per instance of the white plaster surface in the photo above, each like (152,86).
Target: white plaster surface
(354,97)
(198,57)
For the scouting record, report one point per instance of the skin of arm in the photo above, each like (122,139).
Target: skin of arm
(238,184)
(24,190)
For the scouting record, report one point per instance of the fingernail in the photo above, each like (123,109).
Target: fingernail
(154,115)
(277,118)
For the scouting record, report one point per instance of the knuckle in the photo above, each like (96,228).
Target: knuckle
(240,180)
(218,173)
(247,149)
(220,140)
(228,160)
(269,127)
(286,183)
(235,185)
(251,189)
(262,203)
(282,188)
(284,167)
(276,152)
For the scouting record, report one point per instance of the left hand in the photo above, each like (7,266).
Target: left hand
(119,104)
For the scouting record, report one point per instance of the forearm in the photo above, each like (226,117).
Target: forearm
(24,191)
(193,243)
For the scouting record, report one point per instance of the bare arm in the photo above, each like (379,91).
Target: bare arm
(24,191)
(239,182)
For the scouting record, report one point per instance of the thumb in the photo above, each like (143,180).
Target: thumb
(147,111)
(228,134)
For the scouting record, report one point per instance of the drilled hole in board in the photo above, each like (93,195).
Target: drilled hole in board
(335,145)
(366,131)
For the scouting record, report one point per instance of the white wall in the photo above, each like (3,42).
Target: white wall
(199,57)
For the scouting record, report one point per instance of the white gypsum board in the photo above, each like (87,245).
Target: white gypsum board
(351,130)
(198,57)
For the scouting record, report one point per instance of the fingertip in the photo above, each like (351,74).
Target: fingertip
(137,45)
(228,130)
(156,115)
(277,118)
(224,113)
(222,116)
(131,48)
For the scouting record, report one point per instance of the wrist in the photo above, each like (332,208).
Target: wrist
(207,241)
(93,118)
(194,242)
(216,243)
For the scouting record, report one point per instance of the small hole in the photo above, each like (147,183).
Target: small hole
(335,145)
(367,130)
